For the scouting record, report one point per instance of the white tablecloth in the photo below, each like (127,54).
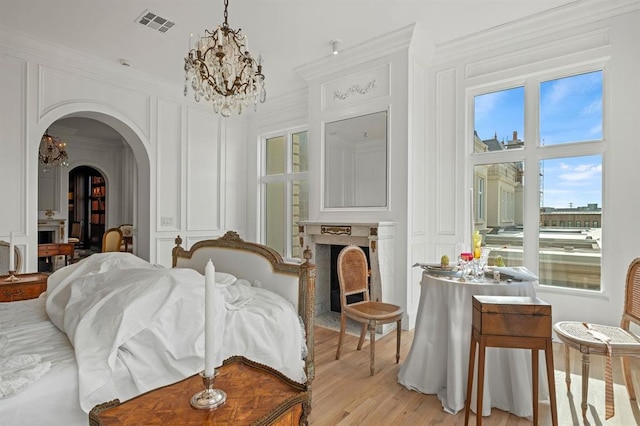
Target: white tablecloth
(438,360)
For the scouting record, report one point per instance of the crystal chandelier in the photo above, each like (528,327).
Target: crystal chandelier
(221,70)
(52,152)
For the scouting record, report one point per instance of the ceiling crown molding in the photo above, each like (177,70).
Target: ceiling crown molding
(371,49)
(519,31)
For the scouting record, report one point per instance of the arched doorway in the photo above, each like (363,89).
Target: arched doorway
(87,209)
(137,159)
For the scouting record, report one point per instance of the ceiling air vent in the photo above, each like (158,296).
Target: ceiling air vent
(153,21)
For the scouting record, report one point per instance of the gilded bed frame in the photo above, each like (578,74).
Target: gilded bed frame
(306,273)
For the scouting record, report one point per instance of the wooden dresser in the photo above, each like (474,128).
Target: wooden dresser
(57,249)
(28,287)
(256,395)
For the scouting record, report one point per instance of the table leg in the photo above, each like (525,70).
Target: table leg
(472,360)
(398,333)
(567,367)
(480,386)
(585,383)
(534,379)
(548,353)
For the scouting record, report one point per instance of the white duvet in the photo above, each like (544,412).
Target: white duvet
(136,326)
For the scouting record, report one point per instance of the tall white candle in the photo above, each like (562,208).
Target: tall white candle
(12,253)
(209,315)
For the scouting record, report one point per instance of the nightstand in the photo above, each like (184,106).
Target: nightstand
(256,395)
(28,287)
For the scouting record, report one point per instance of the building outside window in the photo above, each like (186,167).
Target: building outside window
(285,190)
(480,202)
(543,167)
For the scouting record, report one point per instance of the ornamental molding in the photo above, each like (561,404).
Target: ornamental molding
(335,230)
(355,89)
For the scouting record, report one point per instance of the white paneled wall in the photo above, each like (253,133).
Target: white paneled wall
(203,166)
(169,166)
(546,43)
(171,175)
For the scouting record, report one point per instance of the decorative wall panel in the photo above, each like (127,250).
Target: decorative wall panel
(203,171)
(418,155)
(13,88)
(445,152)
(169,134)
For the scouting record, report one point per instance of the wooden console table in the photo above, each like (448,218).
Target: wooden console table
(29,286)
(57,249)
(256,395)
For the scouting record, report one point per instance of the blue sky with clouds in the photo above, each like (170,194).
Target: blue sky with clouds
(570,111)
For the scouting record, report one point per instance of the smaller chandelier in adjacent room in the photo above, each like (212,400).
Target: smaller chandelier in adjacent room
(52,152)
(220,69)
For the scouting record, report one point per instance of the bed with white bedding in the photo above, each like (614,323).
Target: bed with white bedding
(114,326)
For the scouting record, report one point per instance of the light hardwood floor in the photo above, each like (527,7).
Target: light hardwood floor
(345,394)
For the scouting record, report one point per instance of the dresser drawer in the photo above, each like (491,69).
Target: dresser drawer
(48,250)
(29,286)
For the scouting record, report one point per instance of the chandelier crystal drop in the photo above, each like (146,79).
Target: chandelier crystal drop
(220,69)
(52,152)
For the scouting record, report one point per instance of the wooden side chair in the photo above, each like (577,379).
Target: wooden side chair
(111,240)
(127,237)
(75,236)
(4,258)
(606,340)
(353,274)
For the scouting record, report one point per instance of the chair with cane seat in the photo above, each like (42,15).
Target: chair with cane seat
(606,340)
(353,274)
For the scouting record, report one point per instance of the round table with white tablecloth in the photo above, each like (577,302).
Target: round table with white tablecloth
(438,360)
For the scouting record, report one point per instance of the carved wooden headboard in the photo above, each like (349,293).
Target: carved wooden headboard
(257,262)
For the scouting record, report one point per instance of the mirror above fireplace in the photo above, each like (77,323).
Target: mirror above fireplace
(355,162)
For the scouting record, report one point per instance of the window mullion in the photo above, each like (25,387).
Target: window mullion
(531,231)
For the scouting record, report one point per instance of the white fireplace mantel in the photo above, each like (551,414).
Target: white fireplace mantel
(55,225)
(378,236)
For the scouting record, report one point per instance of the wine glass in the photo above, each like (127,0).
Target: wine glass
(480,264)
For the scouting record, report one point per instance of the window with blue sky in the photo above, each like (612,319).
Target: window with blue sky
(563,141)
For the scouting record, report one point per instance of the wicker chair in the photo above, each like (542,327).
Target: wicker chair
(606,340)
(111,240)
(4,258)
(353,273)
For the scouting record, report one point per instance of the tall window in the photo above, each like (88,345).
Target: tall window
(558,153)
(285,191)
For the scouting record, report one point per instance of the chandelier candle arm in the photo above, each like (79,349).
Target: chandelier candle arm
(221,70)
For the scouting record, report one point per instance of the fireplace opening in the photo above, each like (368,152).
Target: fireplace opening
(335,284)
(46,237)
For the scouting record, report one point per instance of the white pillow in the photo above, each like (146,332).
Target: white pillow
(223,279)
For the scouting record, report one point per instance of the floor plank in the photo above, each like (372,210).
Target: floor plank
(345,394)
